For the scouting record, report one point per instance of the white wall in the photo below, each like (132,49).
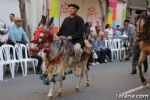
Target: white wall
(7,7)
(85,5)
(34,10)
(119,13)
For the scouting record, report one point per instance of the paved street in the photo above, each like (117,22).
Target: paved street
(107,80)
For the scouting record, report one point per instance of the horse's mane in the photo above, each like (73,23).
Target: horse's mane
(143,30)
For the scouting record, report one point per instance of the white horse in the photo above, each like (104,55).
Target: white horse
(59,59)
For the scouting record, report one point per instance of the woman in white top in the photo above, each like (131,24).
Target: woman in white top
(110,31)
(3,33)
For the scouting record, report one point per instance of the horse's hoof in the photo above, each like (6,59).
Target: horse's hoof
(87,84)
(77,75)
(147,86)
(59,94)
(50,98)
(144,83)
(64,77)
(77,89)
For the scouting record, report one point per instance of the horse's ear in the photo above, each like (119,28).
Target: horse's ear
(51,21)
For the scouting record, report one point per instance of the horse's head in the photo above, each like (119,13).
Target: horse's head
(43,36)
(142,23)
(39,34)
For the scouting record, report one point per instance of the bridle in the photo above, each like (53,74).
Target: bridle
(145,28)
(59,53)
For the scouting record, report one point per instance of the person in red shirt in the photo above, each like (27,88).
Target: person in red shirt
(97,27)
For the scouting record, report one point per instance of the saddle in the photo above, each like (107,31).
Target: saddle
(74,51)
(77,52)
(88,48)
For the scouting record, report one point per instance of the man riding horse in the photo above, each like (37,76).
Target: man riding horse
(67,52)
(73,27)
(143,37)
(136,50)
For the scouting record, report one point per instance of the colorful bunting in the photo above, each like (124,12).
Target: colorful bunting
(111,12)
(54,9)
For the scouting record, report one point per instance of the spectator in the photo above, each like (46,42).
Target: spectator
(110,31)
(97,27)
(3,33)
(87,28)
(129,29)
(92,29)
(34,54)
(95,49)
(11,17)
(17,34)
(104,53)
(117,33)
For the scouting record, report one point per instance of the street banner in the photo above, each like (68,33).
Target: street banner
(54,8)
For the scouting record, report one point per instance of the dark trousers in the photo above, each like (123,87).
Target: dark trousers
(103,54)
(135,58)
(91,58)
(40,60)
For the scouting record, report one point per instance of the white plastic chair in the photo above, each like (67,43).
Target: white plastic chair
(23,49)
(106,44)
(8,57)
(122,50)
(110,44)
(118,48)
(2,65)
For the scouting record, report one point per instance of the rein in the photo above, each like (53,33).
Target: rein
(54,60)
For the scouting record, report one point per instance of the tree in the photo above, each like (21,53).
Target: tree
(102,14)
(23,14)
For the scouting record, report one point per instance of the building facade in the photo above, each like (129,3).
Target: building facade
(89,9)
(132,6)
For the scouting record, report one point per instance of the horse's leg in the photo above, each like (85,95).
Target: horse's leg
(61,71)
(141,60)
(81,77)
(86,72)
(59,92)
(87,78)
(50,94)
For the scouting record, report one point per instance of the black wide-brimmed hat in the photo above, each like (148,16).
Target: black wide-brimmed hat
(74,5)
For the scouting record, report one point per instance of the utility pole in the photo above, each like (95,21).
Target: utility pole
(102,18)
(23,14)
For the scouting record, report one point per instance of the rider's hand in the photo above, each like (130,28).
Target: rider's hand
(61,37)
(69,38)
